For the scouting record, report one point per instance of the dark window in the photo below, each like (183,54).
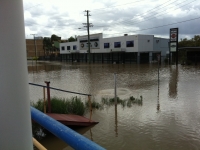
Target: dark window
(63,48)
(74,47)
(129,44)
(94,39)
(81,41)
(106,45)
(117,44)
(68,47)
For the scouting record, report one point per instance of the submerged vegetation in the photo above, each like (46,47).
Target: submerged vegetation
(126,102)
(62,106)
(76,106)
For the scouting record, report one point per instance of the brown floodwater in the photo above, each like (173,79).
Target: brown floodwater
(169,117)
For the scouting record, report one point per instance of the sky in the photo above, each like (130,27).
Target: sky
(111,17)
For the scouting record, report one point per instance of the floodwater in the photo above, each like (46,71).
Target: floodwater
(169,117)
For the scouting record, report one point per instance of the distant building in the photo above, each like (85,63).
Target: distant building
(122,49)
(34,49)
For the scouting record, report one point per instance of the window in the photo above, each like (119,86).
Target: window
(129,43)
(106,45)
(74,47)
(68,47)
(63,48)
(117,44)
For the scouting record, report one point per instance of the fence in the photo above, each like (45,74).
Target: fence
(46,92)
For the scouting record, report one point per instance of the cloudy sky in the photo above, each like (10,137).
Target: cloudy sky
(112,17)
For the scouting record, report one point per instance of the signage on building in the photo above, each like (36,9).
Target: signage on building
(94,43)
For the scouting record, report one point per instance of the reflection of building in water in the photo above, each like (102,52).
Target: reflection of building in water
(173,82)
(34,66)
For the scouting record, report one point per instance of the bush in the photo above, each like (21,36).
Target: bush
(62,106)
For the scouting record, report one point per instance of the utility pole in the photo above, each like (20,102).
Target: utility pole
(88,25)
(35,45)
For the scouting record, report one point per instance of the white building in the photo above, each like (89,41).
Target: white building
(123,49)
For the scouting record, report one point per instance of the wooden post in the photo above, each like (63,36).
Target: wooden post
(48,96)
(38,145)
(44,100)
(89,101)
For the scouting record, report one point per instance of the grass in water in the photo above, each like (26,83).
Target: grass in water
(126,102)
(62,106)
(75,105)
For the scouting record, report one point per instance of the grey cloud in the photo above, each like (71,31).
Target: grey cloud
(30,22)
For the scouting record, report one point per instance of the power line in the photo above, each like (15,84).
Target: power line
(154,15)
(144,12)
(145,19)
(159,26)
(115,6)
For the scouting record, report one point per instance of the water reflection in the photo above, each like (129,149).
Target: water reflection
(175,127)
(91,138)
(53,143)
(173,82)
(116,122)
(158,101)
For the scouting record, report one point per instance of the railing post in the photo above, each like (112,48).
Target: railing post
(48,96)
(89,101)
(44,100)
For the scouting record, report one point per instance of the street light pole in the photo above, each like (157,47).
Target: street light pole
(88,25)
(88,35)
(35,45)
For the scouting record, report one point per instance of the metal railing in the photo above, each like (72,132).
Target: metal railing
(47,87)
(74,139)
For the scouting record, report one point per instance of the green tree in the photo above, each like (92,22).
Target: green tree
(72,39)
(47,45)
(55,38)
(194,42)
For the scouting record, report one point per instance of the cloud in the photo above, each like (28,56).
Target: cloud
(112,17)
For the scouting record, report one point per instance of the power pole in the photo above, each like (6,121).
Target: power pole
(88,25)
(35,45)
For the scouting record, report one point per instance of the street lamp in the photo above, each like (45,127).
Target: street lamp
(35,45)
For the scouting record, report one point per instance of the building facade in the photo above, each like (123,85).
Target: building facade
(123,49)
(34,49)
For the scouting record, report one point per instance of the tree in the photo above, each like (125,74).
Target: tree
(194,42)
(72,39)
(47,45)
(55,38)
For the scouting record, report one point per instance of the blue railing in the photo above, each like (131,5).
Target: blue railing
(74,139)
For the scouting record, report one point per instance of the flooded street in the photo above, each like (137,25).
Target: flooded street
(169,117)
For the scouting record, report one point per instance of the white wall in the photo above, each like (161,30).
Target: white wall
(123,40)
(142,43)
(161,45)
(71,44)
(145,43)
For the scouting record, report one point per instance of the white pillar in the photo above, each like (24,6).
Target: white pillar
(15,120)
